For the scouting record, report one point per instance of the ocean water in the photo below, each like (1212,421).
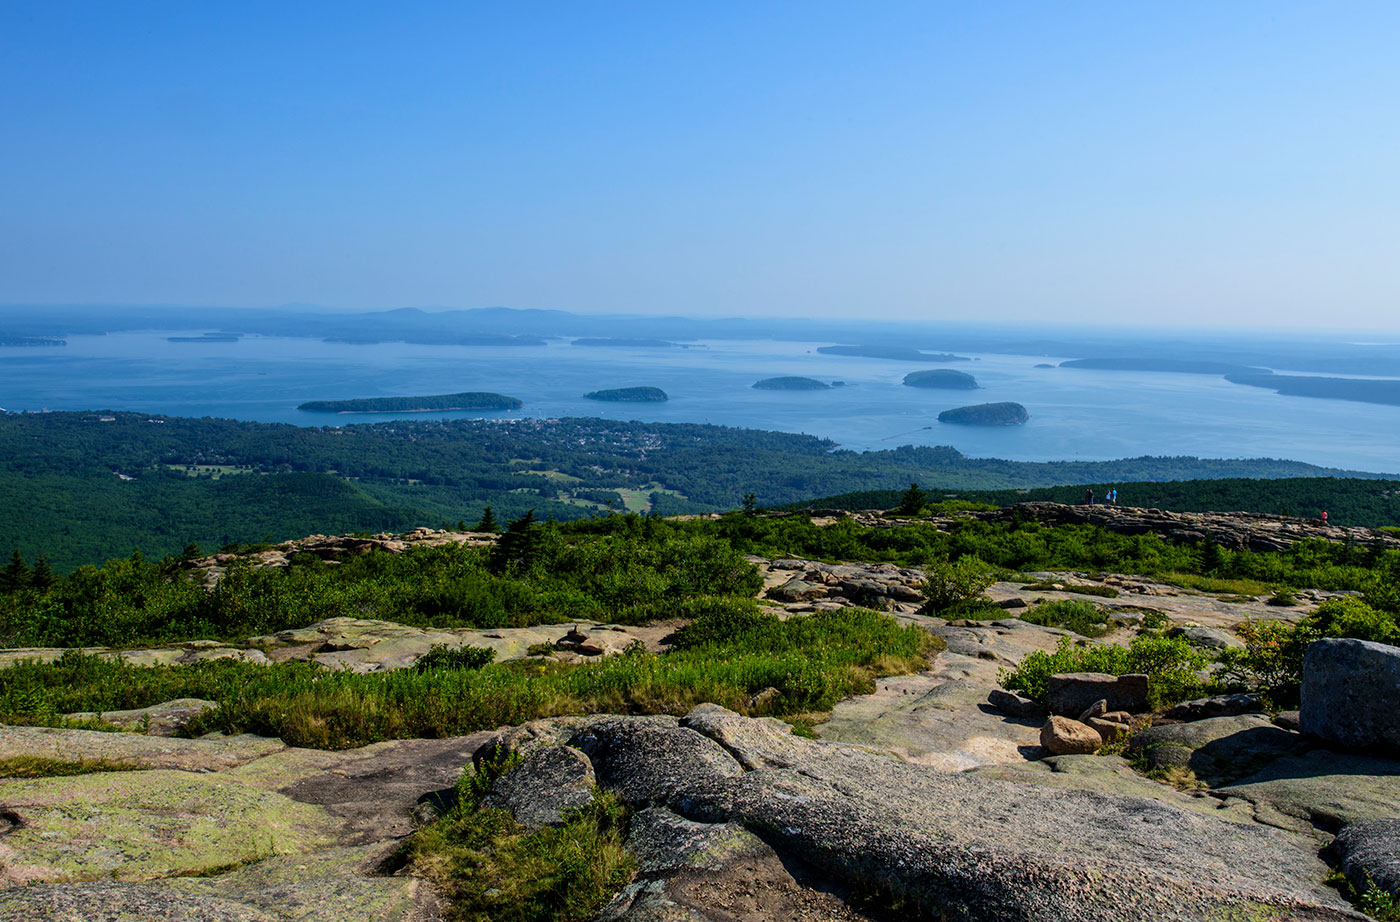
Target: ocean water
(1075,414)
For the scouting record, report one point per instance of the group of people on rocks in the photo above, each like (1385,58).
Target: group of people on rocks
(1110,497)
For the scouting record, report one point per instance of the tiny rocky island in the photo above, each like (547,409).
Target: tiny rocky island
(470,400)
(986,414)
(941,378)
(792,383)
(630,395)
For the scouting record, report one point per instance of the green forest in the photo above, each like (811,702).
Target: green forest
(85,487)
(470,400)
(1346,500)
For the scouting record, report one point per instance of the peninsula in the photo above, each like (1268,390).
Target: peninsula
(630,395)
(986,414)
(471,400)
(791,384)
(942,378)
(1175,366)
(898,353)
(1361,390)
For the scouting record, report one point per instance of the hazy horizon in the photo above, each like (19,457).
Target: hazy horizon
(1201,166)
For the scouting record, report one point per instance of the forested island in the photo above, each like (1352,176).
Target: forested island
(445,339)
(1179,366)
(205,338)
(986,414)
(1360,390)
(622,342)
(470,400)
(898,353)
(630,395)
(791,383)
(942,378)
(31,341)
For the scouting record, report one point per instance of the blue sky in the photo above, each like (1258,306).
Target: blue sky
(1198,163)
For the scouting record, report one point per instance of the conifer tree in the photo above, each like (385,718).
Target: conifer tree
(16,575)
(518,548)
(42,577)
(488,521)
(913,501)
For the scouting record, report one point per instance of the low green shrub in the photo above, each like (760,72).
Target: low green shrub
(44,767)
(949,584)
(1083,618)
(1271,661)
(1171,664)
(492,869)
(442,656)
(729,654)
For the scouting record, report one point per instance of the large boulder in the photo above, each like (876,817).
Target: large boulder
(1350,693)
(1217,749)
(1369,853)
(541,790)
(1072,693)
(1065,737)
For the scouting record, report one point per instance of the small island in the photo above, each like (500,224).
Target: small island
(987,414)
(630,395)
(1044,365)
(791,384)
(897,353)
(944,378)
(472,400)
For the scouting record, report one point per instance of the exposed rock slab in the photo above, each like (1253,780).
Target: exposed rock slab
(138,749)
(963,846)
(149,824)
(1321,788)
(282,833)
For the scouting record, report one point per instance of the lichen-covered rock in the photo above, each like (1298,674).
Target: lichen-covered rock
(1369,853)
(542,789)
(145,751)
(165,719)
(1349,694)
(146,824)
(1064,737)
(1070,694)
